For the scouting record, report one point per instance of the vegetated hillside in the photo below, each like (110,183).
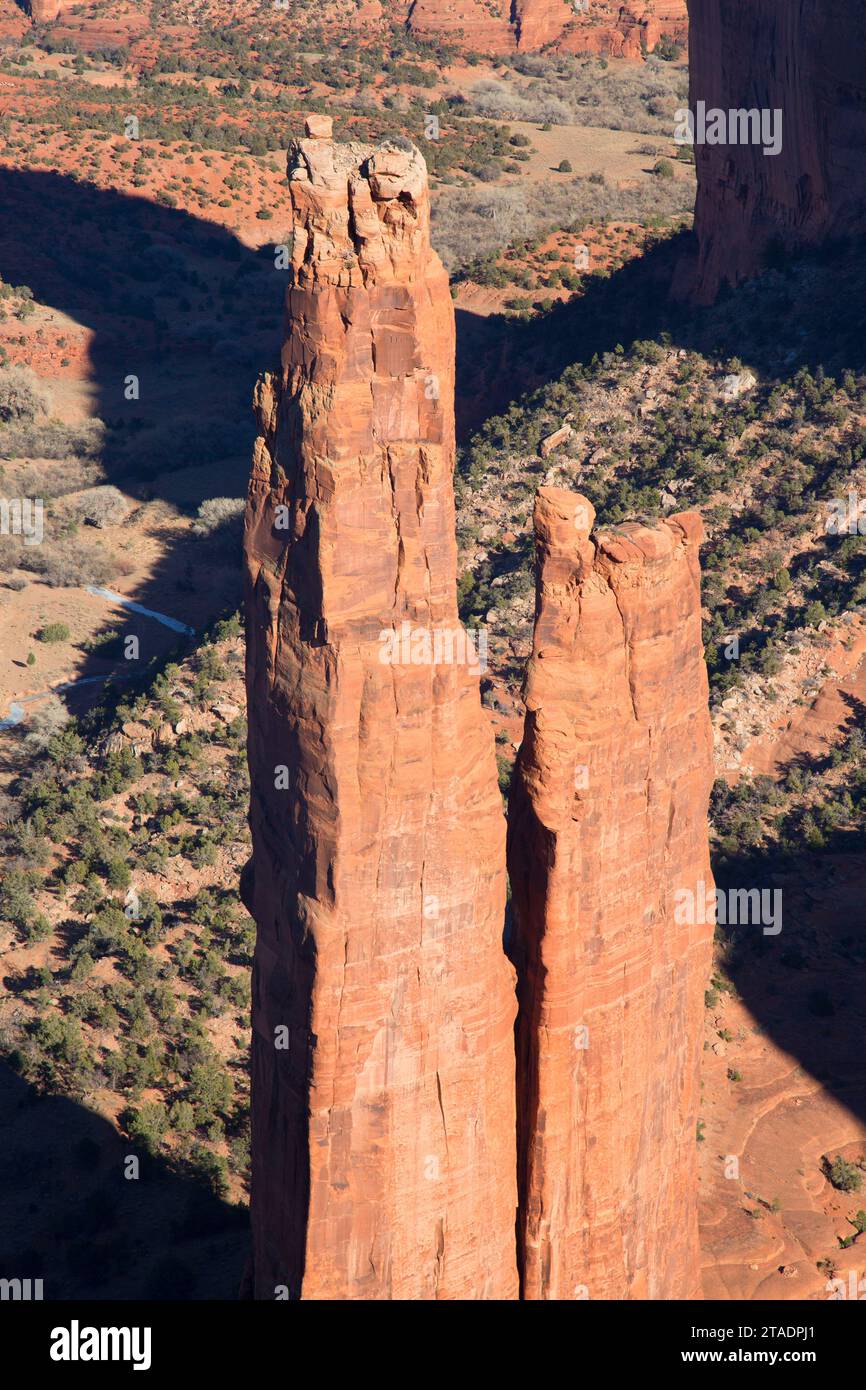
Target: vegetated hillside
(755,414)
(126,958)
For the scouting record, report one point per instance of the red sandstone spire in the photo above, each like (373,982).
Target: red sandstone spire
(608,823)
(383,1006)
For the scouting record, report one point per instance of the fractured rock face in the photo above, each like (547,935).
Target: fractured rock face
(808,61)
(383,1005)
(607,839)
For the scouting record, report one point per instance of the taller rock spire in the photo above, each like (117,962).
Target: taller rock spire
(383,1006)
(609,865)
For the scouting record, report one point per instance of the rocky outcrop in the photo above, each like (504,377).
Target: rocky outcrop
(607,832)
(539,22)
(383,1006)
(625,31)
(46,11)
(807,60)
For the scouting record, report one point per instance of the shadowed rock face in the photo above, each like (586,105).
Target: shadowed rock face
(808,60)
(383,1006)
(608,820)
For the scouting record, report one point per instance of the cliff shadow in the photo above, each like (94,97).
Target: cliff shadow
(805,987)
(798,311)
(179,317)
(70,1215)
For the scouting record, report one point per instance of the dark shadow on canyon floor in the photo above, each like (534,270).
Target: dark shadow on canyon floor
(806,986)
(70,1216)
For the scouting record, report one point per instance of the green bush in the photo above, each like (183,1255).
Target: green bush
(844,1176)
(53,632)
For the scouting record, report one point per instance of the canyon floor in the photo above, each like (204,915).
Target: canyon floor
(140,284)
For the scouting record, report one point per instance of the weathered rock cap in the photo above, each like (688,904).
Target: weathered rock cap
(564,536)
(394,169)
(562,516)
(318,127)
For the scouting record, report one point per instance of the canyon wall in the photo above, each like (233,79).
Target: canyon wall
(808,60)
(576,26)
(476,25)
(607,827)
(383,1005)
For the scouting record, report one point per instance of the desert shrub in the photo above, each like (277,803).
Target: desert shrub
(640,97)
(844,1176)
(210,1090)
(498,101)
(217,513)
(668,49)
(148,1125)
(211,1167)
(52,440)
(53,632)
(50,716)
(470,224)
(22,398)
(16,900)
(70,565)
(186,443)
(101,506)
(182,1117)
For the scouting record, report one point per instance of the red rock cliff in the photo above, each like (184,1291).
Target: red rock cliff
(608,823)
(807,59)
(501,26)
(481,26)
(383,1118)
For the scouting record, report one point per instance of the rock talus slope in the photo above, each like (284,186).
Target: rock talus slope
(383,1005)
(607,825)
(808,60)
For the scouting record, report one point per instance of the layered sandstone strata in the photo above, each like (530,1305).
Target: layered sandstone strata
(607,832)
(383,1005)
(807,60)
(480,26)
